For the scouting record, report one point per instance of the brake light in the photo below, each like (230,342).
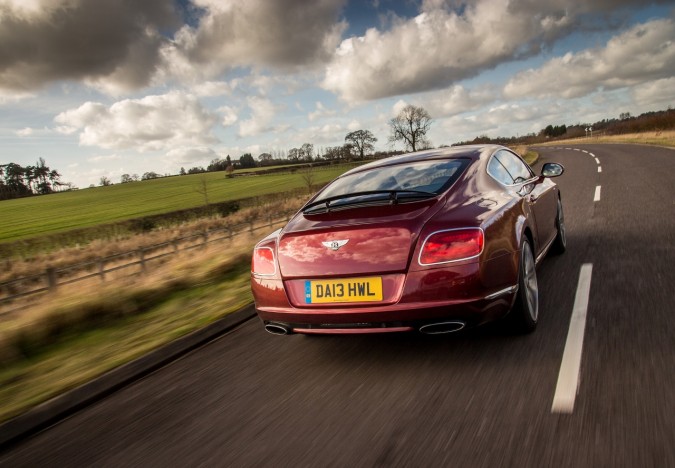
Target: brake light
(451,246)
(263,261)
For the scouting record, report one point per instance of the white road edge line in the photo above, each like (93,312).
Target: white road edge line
(592,155)
(599,168)
(568,378)
(596,197)
(597,160)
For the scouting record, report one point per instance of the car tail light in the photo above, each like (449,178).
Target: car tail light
(263,261)
(451,246)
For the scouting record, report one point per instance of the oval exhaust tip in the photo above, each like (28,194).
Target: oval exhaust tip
(442,327)
(275,329)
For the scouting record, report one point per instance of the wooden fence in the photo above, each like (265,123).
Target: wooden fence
(133,262)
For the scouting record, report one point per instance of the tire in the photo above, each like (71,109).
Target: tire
(525,312)
(560,243)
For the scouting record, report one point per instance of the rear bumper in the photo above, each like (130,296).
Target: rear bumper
(397,317)
(472,294)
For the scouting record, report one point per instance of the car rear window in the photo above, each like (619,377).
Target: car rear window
(434,176)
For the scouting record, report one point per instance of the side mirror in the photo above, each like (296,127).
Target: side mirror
(552,170)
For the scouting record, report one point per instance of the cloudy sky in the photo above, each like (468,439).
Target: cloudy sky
(107,87)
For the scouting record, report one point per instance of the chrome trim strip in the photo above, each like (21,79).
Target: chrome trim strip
(350,331)
(460,326)
(526,182)
(503,292)
(544,251)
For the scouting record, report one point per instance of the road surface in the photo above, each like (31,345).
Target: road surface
(481,398)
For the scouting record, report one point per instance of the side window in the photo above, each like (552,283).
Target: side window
(519,171)
(497,170)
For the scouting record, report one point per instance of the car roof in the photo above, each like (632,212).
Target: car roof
(473,152)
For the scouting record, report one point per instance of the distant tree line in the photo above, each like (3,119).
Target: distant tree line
(358,145)
(17,181)
(648,122)
(410,127)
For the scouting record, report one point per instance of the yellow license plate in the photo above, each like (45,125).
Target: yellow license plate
(343,290)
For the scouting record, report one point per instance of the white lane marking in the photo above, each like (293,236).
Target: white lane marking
(596,197)
(599,168)
(568,378)
(584,151)
(591,155)
(597,160)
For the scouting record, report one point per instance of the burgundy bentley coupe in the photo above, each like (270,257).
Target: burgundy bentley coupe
(433,241)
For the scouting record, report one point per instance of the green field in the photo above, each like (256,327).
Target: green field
(36,216)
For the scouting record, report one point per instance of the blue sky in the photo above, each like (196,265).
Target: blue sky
(108,87)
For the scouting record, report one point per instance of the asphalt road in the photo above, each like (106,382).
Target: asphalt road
(481,398)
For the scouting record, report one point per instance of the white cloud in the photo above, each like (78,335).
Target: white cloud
(354,125)
(320,112)
(191,155)
(230,116)
(215,88)
(25,132)
(283,34)
(503,119)
(450,41)
(12,96)
(398,107)
(655,92)
(147,124)
(327,134)
(438,47)
(262,114)
(644,53)
(102,158)
(457,100)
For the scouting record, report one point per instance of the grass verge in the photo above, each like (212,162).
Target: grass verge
(529,156)
(25,218)
(661,138)
(76,338)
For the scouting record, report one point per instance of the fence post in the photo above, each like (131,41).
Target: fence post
(175,246)
(229,232)
(52,280)
(141,254)
(269,219)
(205,235)
(101,269)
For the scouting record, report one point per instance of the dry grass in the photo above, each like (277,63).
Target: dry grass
(88,328)
(529,156)
(83,332)
(660,138)
(80,308)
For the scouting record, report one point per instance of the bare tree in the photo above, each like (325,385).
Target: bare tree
(333,152)
(265,159)
(306,152)
(203,189)
(294,154)
(411,126)
(105,181)
(362,140)
(346,151)
(308,177)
